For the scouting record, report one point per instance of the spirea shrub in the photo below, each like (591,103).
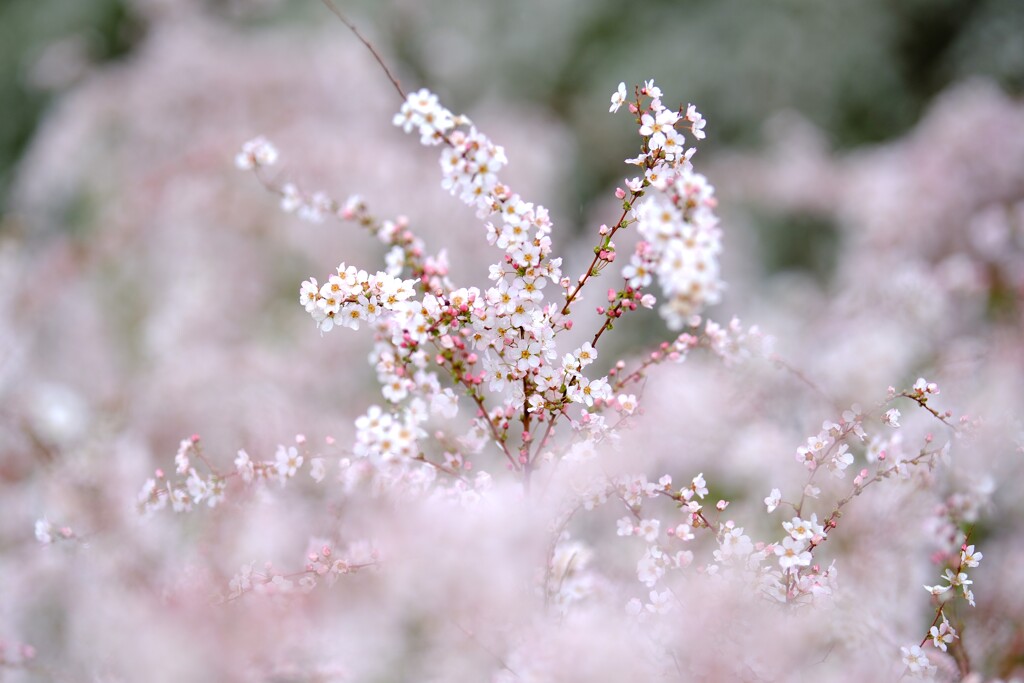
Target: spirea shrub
(514,506)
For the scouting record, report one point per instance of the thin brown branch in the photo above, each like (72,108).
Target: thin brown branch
(804,379)
(469,634)
(329,4)
(923,402)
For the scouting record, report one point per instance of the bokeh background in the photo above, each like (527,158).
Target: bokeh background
(869,160)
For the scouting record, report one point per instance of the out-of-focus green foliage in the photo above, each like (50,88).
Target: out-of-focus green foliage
(862,70)
(83,31)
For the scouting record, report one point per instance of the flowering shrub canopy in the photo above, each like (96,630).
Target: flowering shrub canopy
(516,503)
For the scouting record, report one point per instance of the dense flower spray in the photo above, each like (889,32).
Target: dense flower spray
(499,346)
(513,488)
(441,348)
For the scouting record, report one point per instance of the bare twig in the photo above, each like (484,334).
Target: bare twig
(804,379)
(469,634)
(329,4)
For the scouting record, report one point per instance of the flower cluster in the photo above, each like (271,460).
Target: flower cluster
(323,563)
(681,243)
(46,533)
(256,153)
(661,555)
(499,343)
(942,634)
(438,345)
(827,446)
(422,111)
(795,576)
(351,296)
(211,487)
(681,239)
(546,494)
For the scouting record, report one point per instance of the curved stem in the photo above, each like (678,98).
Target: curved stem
(369,46)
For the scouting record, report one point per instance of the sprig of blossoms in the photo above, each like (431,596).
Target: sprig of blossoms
(256,153)
(681,240)
(46,533)
(407,251)
(351,297)
(497,346)
(941,634)
(193,488)
(795,575)
(505,335)
(322,563)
